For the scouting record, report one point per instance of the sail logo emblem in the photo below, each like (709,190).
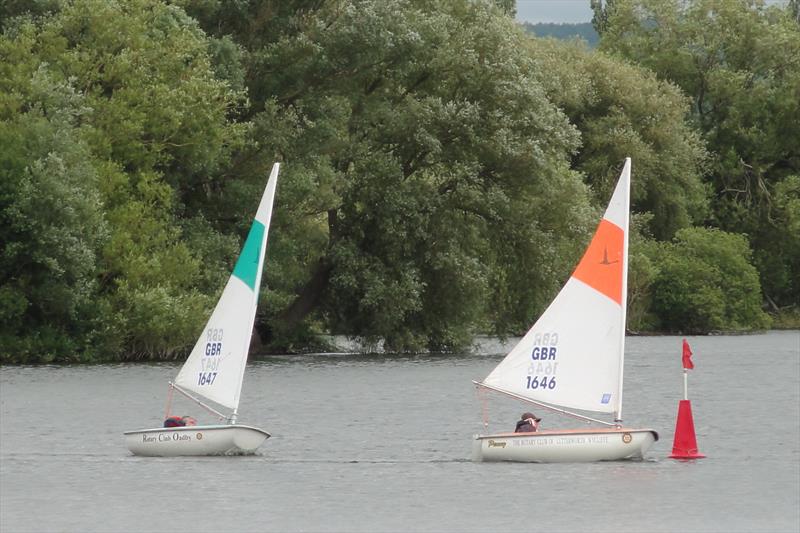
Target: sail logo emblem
(199,436)
(627,438)
(605,260)
(606,398)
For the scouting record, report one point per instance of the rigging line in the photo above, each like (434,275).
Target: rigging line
(484,400)
(545,406)
(201,404)
(168,408)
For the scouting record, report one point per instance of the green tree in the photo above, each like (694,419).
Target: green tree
(423,163)
(739,61)
(599,15)
(154,133)
(564,31)
(51,222)
(781,266)
(11,9)
(642,271)
(622,111)
(706,282)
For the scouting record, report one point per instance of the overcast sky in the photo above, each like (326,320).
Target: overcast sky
(534,11)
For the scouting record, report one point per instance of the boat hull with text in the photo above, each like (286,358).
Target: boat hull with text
(560,446)
(228,439)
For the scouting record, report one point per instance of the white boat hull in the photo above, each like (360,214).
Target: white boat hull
(554,446)
(231,439)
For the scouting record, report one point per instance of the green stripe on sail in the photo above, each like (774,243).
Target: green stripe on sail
(246,268)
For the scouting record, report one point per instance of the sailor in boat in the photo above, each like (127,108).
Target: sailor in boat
(178,421)
(528,423)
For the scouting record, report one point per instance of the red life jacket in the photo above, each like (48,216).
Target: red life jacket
(174,421)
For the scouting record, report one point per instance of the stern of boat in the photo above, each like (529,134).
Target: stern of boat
(248,439)
(477,453)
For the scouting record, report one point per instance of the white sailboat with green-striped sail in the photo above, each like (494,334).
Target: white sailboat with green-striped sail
(215,368)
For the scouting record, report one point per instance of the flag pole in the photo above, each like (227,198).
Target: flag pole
(685,384)
(684,445)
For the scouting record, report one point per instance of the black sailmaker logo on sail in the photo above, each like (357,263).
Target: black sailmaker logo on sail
(605,260)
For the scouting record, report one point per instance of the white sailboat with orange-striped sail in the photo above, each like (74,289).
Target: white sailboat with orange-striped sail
(573,358)
(214,370)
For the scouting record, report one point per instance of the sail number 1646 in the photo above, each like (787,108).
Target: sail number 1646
(544,383)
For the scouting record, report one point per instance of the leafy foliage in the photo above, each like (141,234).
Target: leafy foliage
(443,170)
(739,61)
(114,116)
(625,111)
(51,220)
(706,282)
(421,155)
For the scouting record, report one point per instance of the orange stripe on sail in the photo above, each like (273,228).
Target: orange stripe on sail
(601,265)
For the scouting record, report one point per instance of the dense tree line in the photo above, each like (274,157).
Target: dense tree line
(566,31)
(739,63)
(443,170)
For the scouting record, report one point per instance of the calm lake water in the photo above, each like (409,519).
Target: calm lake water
(373,443)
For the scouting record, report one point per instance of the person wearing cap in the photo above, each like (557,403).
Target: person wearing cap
(528,423)
(179,421)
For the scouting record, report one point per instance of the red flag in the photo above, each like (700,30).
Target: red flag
(687,356)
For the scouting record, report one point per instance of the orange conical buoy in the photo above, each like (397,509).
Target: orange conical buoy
(685,444)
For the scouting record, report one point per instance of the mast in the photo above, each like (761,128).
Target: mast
(249,337)
(626,174)
(263,216)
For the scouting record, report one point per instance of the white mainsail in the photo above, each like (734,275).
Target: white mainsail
(573,355)
(215,367)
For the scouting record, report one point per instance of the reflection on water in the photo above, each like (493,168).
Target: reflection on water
(376,443)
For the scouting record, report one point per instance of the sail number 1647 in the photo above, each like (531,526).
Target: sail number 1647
(206,378)
(544,383)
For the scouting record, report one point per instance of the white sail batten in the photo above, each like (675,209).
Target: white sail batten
(215,367)
(572,356)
